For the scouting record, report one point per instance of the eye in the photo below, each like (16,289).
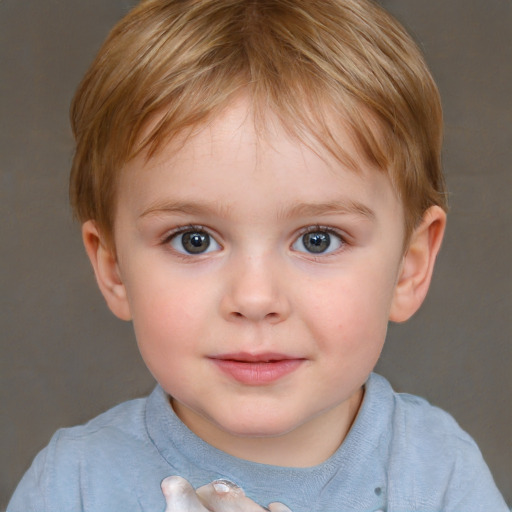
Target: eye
(318,241)
(193,241)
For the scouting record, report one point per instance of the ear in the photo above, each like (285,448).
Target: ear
(418,265)
(104,263)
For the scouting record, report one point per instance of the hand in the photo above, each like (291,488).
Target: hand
(217,496)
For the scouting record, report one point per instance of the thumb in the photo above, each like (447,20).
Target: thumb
(278,507)
(225,496)
(180,495)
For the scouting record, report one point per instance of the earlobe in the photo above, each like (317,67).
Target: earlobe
(104,263)
(418,265)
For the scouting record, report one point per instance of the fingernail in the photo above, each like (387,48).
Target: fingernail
(221,487)
(224,486)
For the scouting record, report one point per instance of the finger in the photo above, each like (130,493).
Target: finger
(180,495)
(278,507)
(225,496)
(220,487)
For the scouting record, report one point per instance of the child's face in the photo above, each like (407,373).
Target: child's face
(259,276)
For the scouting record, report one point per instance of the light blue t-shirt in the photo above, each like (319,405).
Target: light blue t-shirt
(401,455)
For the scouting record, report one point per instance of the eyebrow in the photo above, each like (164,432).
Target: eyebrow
(345,207)
(185,207)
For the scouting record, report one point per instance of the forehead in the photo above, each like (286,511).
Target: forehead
(222,158)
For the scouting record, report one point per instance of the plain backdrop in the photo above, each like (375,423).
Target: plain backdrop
(65,358)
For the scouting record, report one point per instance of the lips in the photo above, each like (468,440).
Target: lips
(256,369)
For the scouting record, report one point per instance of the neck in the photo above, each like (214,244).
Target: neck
(307,445)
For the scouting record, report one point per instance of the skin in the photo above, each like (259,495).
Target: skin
(257,289)
(218,496)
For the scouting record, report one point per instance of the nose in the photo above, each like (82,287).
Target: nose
(255,291)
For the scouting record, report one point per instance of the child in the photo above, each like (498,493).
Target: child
(260,191)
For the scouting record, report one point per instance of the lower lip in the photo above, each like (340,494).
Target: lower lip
(257,373)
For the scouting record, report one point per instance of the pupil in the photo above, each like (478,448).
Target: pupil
(316,242)
(195,242)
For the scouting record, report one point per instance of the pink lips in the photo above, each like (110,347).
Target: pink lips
(256,369)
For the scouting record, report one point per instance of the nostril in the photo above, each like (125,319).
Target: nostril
(269,316)
(274,318)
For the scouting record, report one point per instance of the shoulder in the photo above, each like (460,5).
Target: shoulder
(110,432)
(416,419)
(432,460)
(86,457)
(415,424)
(125,419)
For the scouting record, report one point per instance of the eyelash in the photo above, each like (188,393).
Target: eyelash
(183,229)
(167,239)
(326,229)
(180,230)
(330,231)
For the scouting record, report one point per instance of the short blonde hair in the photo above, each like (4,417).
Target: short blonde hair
(313,63)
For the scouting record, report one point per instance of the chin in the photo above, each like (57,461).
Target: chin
(255,433)
(265,427)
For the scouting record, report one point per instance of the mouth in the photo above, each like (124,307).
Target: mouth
(256,369)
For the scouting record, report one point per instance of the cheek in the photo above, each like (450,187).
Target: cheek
(350,313)
(167,336)
(167,319)
(350,335)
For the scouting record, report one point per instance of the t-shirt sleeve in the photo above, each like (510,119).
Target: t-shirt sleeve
(52,483)
(472,487)
(435,465)
(29,495)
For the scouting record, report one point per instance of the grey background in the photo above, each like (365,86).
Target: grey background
(65,358)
